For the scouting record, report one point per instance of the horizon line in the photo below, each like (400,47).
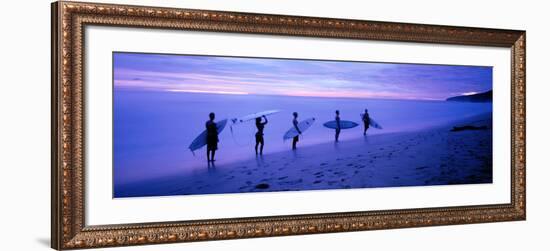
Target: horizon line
(236,93)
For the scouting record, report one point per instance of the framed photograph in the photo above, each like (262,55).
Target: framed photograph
(177,125)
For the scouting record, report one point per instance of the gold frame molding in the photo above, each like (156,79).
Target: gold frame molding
(68,225)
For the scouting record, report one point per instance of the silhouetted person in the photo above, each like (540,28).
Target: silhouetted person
(260,134)
(211,138)
(338,126)
(295,123)
(366,121)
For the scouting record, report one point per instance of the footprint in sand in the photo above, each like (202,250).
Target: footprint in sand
(324,164)
(317,182)
(262,186)
(421,167)
(350,164)
(282,178)
(396,177)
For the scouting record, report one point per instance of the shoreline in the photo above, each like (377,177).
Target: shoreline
(430,156)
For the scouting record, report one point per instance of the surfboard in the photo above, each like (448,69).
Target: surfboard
(372,122)
(254,116)
(344,124)
(200,140)
(302,125)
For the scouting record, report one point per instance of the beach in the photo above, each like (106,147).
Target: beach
(425,156)
(153,130)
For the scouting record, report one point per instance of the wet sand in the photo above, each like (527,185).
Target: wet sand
(434,156)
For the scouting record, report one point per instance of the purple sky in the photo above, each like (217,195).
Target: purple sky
(234,75)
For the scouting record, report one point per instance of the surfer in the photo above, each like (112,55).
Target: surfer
(366,121)
(295,123)
(338,126)
(260,134)
(211,138)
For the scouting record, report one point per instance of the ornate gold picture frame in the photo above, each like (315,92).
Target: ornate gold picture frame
(69,230)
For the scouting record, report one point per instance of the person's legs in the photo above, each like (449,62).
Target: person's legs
(337,135)
(294,140)
(213,149)
(261,146)
(208,154)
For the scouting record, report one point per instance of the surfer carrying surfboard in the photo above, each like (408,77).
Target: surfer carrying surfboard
(211,138)
(366,121)
(295,123)
(260,133)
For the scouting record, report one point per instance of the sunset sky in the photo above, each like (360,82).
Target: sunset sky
(264,76)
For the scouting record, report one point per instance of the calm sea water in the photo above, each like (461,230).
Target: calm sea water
(152,130)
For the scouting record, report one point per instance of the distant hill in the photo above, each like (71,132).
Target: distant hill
(478,97)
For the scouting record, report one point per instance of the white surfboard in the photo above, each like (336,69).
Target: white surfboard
(254,116)
(237,121)
(200,140)
(371,122)
(302,125)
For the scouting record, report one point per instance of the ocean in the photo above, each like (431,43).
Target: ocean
(153,129)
